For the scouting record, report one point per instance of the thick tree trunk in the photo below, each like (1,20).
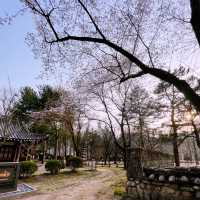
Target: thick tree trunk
(174,133)
(175,149)
(76,144)
(134,168)
(78,152)
(65,149)
(56,147)
(125,159)
(44,152)
(141,123)
(59,148)
(196,132)
(105,159)
(195,18)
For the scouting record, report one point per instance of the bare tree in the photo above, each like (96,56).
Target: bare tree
(175,107)
(110,105)
(73,117)
(174,100)
(56,21)
(108,145)
(7,101)
(123,110)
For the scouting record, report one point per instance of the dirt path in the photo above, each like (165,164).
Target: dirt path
(89,188)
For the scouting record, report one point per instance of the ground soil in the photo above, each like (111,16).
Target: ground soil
(90,186)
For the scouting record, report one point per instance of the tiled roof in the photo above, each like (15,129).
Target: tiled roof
(15,132)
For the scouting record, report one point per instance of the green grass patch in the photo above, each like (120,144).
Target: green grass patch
(119,191)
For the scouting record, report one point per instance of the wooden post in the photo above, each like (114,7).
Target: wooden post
(28,150)
(16,152)
(19,152)
(44,151)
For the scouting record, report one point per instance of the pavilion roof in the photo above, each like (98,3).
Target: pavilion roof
(10,131)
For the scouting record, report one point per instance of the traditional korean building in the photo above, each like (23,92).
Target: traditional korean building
(17,143)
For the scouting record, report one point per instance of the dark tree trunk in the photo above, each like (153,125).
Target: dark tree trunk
(174,133)
(105,159)
(78,153)
(109,160)
(195,18)
(196,132)
(65,149)
(141,123)
(76,145)
(175,150)
(44,152)
(125,159)
(115,157)
(134,168)
(56,147)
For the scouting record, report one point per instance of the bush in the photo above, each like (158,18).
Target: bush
(62,162)
(75,162)
(27,168)
(67,160)
(53,166)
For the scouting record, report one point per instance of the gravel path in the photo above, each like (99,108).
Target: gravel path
(89,188)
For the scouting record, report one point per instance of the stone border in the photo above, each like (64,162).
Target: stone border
(178,175)
(166,184)
(21,189)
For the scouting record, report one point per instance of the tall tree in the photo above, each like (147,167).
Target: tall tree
(143,110)
(169,94)
(28,102)
(124,109)
(32,101)
(57,22)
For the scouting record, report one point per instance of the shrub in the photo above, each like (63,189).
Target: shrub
(27,168)
(67,160)
(75,162)
(62,162)
(53,166)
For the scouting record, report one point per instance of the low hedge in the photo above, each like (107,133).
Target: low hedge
(53,166)
(27,168)
(67,160)
(62,162)
(75,162)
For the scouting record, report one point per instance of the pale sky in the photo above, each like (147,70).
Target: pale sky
(17,61)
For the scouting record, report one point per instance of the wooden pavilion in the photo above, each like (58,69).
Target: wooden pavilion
(17,143)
